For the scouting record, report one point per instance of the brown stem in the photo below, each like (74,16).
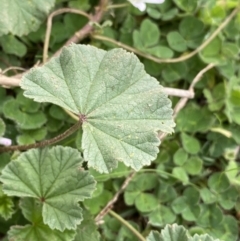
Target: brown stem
(54,140)
(87,29)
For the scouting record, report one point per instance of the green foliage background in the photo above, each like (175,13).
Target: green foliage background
(195,179)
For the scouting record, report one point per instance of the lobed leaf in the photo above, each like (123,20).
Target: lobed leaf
(121,106)
(53,176)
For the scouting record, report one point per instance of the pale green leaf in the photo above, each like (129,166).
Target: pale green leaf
(121,106)
(22,17)
(54,177)
(169,233)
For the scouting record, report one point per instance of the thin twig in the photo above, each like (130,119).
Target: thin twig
(88,28)
(126,224)
(54,140)
(114,6)
(49,26)
(12,68)
(8,82)
(183,101)
(174,60)
(110,204)
(178,92)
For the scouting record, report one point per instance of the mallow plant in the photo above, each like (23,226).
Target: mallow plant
(121,110)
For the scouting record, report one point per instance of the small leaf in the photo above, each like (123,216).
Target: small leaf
(53,177)
(176,41)
(187,5)
(146,202)
(218,182)
(37,231)
(193,165)
(161,216)
(180,174)
(149,33)
(180,157)
(12,45)
(122,106)
(190,144)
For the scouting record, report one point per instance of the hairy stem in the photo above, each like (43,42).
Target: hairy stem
(129,226)
(54,140)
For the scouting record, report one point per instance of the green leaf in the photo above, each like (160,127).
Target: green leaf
(190,144)
(193,165)
(146,202)
(194,118)
(180,174)
(6,205)
(149,33)
(203,237)
(20,19)
(87,230)
(207,196)
(191,27)
(218,182)
(211,216)
(37,231)
(169,233)
(162,52)
(2,127)
(180,157)
(122,107)
(53,177)
(26,120)
(174,72)
(187,5)
(12,45)
(176,41)
(95,204)
(161,216)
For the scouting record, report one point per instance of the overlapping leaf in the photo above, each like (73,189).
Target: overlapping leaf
(122,106)
(37,231)
(53,177)
(22,17)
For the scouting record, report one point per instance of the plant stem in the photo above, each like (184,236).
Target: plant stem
(54,140)
(174,60)
(129,226)
(49,26)
(117,6)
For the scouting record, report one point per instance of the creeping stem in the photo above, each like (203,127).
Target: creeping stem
(54,140)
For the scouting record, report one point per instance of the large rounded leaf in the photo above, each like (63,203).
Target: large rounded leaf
(24,16)
(121,106)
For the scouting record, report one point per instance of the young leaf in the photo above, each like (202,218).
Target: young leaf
(20,19)
(121,106)
(37,231)
(53,176)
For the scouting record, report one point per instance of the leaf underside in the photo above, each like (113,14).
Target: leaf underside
(21,17)
(121,106)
